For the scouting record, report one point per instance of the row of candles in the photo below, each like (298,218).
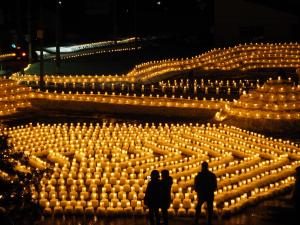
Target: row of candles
(103,168)
(198,135)
(239,57)
(151,101)
(207,87)
(252,105)
(68,57)
(92,45)
(75,81)
(182,87)
(7,56)
(211,83)
(12,97)
(276,99)
(230,54)
(87,49)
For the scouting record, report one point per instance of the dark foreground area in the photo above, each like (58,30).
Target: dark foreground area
(277,211)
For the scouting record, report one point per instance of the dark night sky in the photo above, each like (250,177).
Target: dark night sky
(93,19)
(128,17)
(102,19)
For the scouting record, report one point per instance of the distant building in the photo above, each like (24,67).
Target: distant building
(238,21)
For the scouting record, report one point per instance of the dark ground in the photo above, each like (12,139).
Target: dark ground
(277,211)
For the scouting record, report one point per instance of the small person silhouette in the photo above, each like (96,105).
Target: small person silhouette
(205,184)
(165,195)
(152,198)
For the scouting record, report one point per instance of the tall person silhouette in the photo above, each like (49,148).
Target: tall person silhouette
(166,185)
(205,184)
(152,198)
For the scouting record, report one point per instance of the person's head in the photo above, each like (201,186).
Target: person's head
(204,166)
(165,174)
(154,175)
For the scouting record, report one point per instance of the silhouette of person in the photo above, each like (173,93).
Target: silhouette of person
(165,195)
(152,198)
(205,184)
(296,191)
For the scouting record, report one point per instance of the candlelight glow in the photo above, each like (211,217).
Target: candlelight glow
(103,168)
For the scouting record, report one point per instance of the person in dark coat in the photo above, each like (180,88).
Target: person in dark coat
(166,184)
(152,198)
(205,184)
